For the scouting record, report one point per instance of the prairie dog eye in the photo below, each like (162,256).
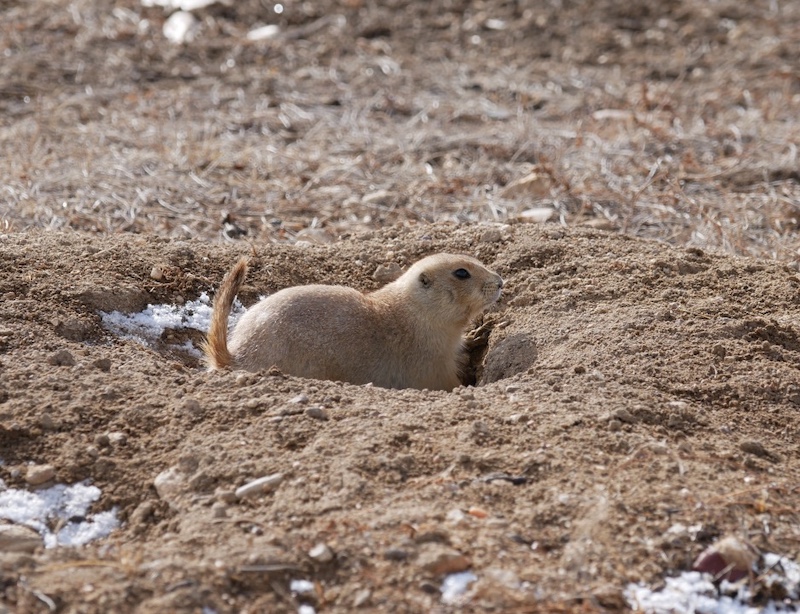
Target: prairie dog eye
(462,273)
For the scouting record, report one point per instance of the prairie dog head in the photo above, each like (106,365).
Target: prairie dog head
(452,288)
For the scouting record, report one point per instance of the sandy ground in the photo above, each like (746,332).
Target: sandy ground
(637,399)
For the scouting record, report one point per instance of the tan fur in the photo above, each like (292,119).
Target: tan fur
(408,334)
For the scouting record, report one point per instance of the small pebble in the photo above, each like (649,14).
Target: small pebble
(623,415)
(117,438)
(362,597)
(395,554)
(92,452)
(104,364)
(61,358)
(479,427)
(242,380)
(719,350)
(225,495)
(442,560)
(301,587)
(387,272)
(260,486)
(674,421)
(492,235)
(219,510)
(317,413)
(299,399)
(18,538)
(157,272)
(755,448)
(321,553)
(192,406)
(102,440)
(36,475)
(728,559)
(142,513)
(614,425)
(170,485)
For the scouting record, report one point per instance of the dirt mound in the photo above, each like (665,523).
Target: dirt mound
(628,388)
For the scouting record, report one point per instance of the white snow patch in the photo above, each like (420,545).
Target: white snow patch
(180,27)
(264,32)
(182,5)
(455,585)
(301,587)
(694,592)
(147,326)
(42,509)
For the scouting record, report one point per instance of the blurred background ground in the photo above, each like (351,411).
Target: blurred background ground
(671,120)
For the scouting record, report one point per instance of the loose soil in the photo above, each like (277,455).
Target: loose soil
(634,399)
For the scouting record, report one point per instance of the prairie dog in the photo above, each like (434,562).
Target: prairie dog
(407,334)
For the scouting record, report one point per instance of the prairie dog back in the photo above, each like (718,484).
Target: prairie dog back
(407,334)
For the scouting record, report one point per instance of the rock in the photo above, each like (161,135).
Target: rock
(18,538)
(225,495)
(379,197)
(74,329)
(537,214)
(316,412)
(47,423)
(61,358)
(321,553)
(192,407)
(387,272)
(157,272)
(36,475)
(301,587)
(127,299)
(362,597)
(440,560)
(260,486)
(534,185)
(315,236)
(491,235)
(729,558)
(171,484)
(455,585)
(755,448)
(242,380)
(623,415)
(264,32)
(139,516)
(395,554)
(300,399)
(457,517)
(117,438)
(104,364)
(180,27)
(219,510)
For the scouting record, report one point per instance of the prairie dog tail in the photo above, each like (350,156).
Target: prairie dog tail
(216,345)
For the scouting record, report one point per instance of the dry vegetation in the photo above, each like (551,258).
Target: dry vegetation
(673,120)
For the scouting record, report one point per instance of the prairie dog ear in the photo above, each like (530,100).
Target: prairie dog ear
(425,280)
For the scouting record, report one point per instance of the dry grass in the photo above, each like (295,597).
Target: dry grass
(668,121)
